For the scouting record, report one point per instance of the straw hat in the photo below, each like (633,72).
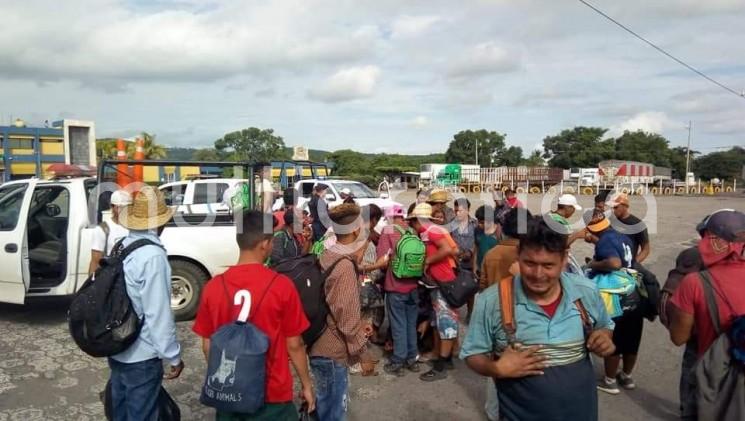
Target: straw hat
(422,210)
(438,196)
(147,211)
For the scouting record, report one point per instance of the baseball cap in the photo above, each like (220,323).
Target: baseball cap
(727,224)
(121,198)
(346,191)
(395,211)
(620,199)
(569,200)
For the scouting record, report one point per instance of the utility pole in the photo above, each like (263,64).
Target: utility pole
(688,154)
(477,151)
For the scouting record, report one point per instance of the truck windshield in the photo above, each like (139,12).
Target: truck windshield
(359,190)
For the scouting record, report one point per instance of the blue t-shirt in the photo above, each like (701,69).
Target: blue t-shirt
(614,244)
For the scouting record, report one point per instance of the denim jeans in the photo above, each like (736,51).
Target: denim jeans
(135,388)
(332,388)
(402,312)
(491,407)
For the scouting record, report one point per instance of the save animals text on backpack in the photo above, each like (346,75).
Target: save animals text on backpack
(410,255)
(101,318)
(719,374)
(236,367)
(310,281)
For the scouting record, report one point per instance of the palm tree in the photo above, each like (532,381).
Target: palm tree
(152,149)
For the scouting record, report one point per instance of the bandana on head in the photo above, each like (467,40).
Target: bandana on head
(714,249)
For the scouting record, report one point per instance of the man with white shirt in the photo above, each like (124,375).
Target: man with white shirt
(107,233)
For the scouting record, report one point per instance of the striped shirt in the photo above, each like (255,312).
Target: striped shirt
(344,339)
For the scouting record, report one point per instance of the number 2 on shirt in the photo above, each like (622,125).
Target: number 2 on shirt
(243,298)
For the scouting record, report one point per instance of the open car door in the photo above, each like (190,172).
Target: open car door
(15,200)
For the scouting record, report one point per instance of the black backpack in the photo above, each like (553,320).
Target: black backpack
(310,282)
(101,318)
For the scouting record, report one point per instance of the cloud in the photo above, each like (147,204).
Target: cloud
(412,26)
(347,84)
(484,59)
(420,121)
(650,121)
(265,93)
(114,44)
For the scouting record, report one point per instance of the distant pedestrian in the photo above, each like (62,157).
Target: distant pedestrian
(511,198)
(613,254)
(438,199)
(108,233)
(318,209)
(565,208)
(463,231)
(440,265)
(498,261)
(632,227)
(286,243)
(346,195)
(401,297)
(487,234)
(344,342)
(137,373)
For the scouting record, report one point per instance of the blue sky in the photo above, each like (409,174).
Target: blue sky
(377,76)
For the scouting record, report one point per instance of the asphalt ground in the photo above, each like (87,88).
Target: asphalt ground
(43,376)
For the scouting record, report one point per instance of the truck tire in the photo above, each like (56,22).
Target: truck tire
(187,281)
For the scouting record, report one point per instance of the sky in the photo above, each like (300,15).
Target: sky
(389,76)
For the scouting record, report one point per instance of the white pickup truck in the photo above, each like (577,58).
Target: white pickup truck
(362,194)
(45,241)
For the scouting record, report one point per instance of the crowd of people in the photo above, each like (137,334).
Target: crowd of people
(529,330)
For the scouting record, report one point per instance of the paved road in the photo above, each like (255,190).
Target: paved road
(43,376)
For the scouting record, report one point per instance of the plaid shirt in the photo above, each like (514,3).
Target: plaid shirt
(344,339)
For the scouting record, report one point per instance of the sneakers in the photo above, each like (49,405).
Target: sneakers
(395,369)
(433,375)
(625,381)
(610,387)
(413,366)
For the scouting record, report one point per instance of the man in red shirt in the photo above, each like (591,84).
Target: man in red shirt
(280,316)
(440,266)
(721,248)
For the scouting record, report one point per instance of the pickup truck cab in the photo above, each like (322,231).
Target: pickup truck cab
(45,243)
(200,196)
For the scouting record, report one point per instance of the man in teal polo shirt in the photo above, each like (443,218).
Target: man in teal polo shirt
(544,370)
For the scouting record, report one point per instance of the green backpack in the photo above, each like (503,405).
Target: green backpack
(410,255)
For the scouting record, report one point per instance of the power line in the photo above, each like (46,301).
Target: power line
(679,61)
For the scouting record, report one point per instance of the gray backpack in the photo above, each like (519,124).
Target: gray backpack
(719,378)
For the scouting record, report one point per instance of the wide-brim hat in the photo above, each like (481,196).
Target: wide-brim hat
(438,196)
(147,211)
(422,210)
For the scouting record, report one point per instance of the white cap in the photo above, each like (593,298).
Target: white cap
(346,191)
(569,200)
(121,198)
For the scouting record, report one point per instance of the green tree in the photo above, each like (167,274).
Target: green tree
(578,147)
(678,161)
(347,162)
(511,157)
(535,160)
(724,165)
(106,148)
(206,154)
(253,145)
(462,149)
(643,147)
